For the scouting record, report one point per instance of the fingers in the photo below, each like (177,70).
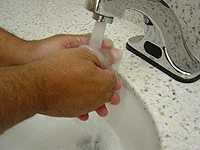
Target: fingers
(84,117)
(115,99)
(74,41)
(113,55)
(90,56)
(108,56)
(112,84)
(118,85)
(107,44)
(109,79)
(102,111)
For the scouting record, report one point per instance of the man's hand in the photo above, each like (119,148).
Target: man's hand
(68,83)
(19,51)
(48,46)
(72,83)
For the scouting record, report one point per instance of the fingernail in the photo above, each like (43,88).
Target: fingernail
(102,111)
(115,100)
(84,117)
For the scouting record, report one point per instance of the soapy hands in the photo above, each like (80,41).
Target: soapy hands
(42,49)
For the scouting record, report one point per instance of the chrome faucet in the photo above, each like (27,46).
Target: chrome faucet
(172,33)
(99,14)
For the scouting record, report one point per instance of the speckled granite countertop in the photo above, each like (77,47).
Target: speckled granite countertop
(174,106)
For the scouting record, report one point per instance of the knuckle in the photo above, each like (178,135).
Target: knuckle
(108,80)
(92,56)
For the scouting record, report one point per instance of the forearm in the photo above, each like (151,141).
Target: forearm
(13,50)
(17,99)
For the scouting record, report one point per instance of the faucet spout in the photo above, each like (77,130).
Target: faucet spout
(170,43)
(99,14)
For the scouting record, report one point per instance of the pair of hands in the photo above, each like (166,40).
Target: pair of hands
(71,80)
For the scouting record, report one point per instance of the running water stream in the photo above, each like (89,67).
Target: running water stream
(97,35)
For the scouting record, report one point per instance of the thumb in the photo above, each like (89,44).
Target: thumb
(74,41)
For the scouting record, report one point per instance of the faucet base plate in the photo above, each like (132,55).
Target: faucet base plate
(160,67)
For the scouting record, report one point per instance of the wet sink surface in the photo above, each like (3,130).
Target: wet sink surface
(128,127)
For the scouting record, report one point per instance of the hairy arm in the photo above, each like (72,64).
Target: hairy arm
(17,101)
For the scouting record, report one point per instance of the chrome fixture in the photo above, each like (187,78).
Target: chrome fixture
(172,33)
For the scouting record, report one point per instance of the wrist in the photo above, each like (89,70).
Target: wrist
(27,49)
(28,87)
(18,95)
(27,82)
(34,50)
(19,98)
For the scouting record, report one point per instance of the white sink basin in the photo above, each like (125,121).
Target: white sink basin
(128,127)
